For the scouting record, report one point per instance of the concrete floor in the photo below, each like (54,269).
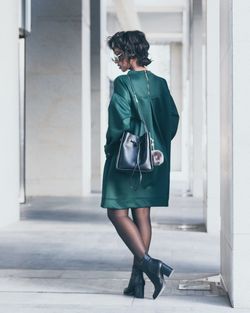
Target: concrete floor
(65,256)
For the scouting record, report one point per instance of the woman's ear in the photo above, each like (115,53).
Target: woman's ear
(133,61)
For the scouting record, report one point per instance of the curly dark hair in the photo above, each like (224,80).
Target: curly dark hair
(133,44)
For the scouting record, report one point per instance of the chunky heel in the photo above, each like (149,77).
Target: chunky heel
(152,268)
(166,270)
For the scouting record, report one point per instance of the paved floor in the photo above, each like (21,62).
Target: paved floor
(65,256)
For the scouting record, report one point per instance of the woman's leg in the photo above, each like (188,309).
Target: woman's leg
(141,217)
(128,231)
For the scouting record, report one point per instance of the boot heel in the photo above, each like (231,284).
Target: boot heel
(139,291)
(166,269)
(152,268)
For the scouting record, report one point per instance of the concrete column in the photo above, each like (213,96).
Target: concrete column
(176,90)
(95,93)
(212,207)
(105,87)
(196,115)
(185,113)
(86,100)
(235,149)
(53,99)
(9,113)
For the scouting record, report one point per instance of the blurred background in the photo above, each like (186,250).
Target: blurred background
(56,80)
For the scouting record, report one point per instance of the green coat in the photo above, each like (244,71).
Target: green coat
(161,117)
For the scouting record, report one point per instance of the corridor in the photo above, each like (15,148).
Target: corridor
(64,256)
(59,252)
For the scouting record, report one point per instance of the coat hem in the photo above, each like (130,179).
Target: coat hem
(133,203)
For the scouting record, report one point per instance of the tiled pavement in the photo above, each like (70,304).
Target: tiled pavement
(65,256)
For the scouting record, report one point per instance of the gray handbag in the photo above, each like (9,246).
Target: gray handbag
(135,153)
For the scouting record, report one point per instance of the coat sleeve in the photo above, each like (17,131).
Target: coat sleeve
(118,115)
(174,115)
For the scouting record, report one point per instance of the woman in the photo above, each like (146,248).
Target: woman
(161,117)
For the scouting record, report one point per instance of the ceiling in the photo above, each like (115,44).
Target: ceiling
(161,20)
(151,5)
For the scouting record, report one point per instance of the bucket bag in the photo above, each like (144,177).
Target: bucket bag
(136,153)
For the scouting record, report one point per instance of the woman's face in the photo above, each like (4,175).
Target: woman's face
(122,62)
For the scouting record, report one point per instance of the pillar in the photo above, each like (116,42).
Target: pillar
(95,8)
(9,113)
(196,121)
(235,149)
(86,100)
(212,205)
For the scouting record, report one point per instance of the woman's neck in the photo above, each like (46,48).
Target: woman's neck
(138,68)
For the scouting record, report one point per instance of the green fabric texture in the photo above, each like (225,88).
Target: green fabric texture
(162,119)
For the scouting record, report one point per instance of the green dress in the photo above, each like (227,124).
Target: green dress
(161,117)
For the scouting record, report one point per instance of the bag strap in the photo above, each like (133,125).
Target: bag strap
(137,104)
(145,126)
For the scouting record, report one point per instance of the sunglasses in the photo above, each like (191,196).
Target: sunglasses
(116,58)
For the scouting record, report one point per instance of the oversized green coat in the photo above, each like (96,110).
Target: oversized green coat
(161,117)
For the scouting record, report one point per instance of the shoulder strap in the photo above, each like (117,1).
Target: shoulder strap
(137,103)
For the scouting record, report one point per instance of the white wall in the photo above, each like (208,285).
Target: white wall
(96,102)
(9,113)
(86,100)
(53,116)
(212,206)
(196,106)
(176,89)
(235,149)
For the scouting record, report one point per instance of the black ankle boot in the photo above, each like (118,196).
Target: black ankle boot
(136,284)
(155,269)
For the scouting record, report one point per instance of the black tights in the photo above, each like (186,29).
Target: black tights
(135,233)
